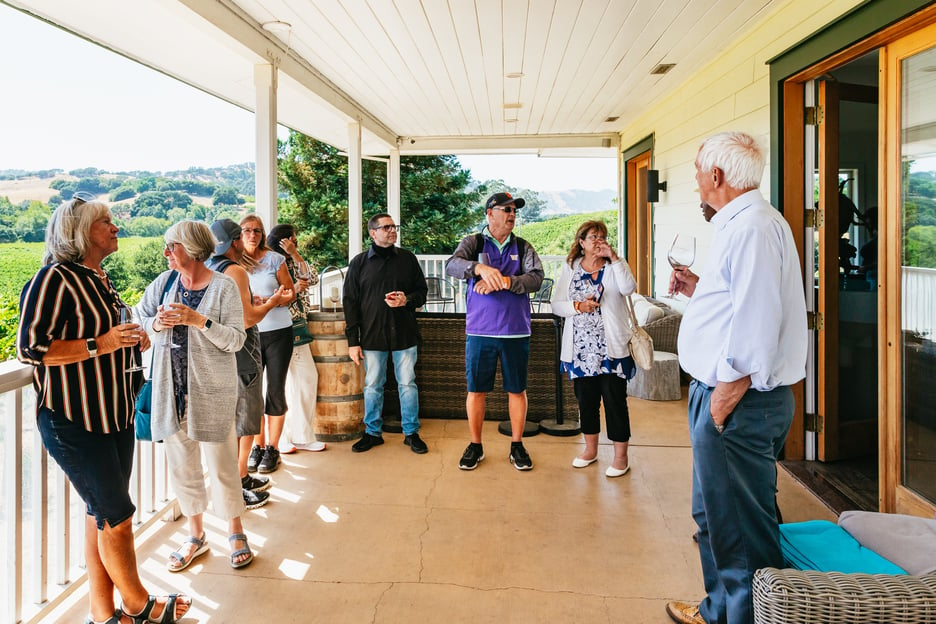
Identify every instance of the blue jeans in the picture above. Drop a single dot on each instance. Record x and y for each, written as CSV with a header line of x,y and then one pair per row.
x,y
375,376
734,482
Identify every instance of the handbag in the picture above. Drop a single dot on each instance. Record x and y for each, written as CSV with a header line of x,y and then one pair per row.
x,y
143,406
300,326
640,343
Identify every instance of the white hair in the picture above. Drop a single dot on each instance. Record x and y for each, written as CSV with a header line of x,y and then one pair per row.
x,y
67,233
194,236
737,155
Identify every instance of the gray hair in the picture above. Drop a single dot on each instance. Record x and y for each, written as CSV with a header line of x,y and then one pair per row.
x,y
737,155
67,237
194,236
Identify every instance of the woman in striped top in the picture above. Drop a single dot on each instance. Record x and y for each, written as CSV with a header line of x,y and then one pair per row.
x,y
70,332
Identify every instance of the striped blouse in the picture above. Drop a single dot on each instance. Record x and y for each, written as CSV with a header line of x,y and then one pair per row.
x,y
68,301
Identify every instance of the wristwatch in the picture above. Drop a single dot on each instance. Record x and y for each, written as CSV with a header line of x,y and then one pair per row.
x,y
207,324
91,343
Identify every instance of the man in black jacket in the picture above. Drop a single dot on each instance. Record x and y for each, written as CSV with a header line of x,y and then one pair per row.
x,y
384,287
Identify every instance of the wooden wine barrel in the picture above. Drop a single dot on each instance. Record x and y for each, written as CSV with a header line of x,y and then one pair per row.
x,y
339,410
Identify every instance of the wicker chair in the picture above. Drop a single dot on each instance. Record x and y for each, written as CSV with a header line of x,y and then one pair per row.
x,y
807,597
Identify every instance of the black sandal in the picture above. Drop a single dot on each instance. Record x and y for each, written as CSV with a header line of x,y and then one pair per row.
x,y
168,614
114,619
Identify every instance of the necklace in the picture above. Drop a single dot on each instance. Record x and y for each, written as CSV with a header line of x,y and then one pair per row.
x,y
101,274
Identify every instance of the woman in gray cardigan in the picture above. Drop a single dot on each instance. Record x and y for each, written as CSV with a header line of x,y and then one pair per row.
x,y
195,320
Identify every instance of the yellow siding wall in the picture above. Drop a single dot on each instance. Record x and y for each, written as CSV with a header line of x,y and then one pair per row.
x,y
730,93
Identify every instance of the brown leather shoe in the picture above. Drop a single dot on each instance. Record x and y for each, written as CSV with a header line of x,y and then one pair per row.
x,y
684,613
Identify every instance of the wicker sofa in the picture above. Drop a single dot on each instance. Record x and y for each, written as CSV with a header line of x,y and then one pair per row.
x,y
873,548
665,329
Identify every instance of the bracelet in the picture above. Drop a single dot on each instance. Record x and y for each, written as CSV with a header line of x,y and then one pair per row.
x,y
575,306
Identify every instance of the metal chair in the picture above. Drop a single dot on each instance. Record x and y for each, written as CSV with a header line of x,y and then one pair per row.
x,y
441,291
544,294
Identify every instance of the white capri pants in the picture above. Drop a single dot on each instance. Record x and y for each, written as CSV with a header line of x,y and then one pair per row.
x,y
183,456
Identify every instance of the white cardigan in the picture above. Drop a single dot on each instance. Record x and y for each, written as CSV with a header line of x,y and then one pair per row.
x,y
618,283
212,370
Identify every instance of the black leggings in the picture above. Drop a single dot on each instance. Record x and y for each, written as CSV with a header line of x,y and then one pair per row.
x,y
276,348
590,392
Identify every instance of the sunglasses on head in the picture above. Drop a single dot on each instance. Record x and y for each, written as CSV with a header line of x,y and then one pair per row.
x,y
81,197
506,209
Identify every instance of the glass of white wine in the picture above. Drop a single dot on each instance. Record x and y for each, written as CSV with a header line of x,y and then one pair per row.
x,y
334,298
681,254
126,316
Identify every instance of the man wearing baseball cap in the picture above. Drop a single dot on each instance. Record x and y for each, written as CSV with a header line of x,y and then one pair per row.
x,y
229,252
502,270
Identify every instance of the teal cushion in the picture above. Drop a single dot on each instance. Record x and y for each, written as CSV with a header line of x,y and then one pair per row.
x,y
826,547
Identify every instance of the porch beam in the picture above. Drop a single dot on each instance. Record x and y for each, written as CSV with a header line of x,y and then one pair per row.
x,y
237,24
507,144
265,130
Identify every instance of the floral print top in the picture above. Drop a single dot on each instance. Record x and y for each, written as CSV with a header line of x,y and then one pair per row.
x,y
590,351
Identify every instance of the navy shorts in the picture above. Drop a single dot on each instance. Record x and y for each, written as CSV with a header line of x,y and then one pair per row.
x,y
97,464
482,354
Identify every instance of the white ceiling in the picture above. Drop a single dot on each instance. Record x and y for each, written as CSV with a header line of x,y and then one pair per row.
x,y
433,76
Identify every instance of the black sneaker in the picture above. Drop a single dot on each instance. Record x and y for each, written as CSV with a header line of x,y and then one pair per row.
x,y
415,443
519,457
473,454
256,484
256,454
254,500
366,443
270,461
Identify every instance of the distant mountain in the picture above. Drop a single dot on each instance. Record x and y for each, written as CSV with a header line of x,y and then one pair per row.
x,y
577,201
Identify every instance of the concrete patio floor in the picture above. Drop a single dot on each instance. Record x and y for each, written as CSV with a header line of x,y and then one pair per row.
x,y
389,536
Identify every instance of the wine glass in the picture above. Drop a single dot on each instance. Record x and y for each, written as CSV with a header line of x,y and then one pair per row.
x,y
334,298
126,316
681,254
176,298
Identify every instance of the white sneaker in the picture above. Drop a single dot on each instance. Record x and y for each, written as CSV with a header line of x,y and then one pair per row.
x,y
312,446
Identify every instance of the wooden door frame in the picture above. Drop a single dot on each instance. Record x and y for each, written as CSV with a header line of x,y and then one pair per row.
x,y
637,215
897,497
875,25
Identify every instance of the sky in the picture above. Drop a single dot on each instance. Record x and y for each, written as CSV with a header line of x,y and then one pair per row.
x,y
68,103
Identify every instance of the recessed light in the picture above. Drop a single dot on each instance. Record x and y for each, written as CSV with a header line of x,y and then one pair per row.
x,y
611,119
662,68
514,75
513,105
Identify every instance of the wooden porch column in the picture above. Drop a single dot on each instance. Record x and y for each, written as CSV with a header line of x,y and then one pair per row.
x,y
393,190
355,197
265,128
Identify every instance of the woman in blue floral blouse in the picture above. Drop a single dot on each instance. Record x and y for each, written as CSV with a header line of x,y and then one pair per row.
x,y
591,295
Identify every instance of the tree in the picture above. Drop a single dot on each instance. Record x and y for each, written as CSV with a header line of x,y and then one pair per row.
x,y
532,210
30,225
437,207
225,196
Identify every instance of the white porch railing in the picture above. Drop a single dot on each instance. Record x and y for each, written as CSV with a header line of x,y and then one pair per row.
x,y
42,519
918,292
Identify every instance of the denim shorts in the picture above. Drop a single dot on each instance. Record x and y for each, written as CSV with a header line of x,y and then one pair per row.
x,y
97,464
481,356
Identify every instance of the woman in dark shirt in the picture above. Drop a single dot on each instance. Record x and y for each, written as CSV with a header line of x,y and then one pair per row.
x,y
70,332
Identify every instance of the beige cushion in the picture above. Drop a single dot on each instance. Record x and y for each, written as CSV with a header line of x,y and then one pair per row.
x,y
645,311
908,541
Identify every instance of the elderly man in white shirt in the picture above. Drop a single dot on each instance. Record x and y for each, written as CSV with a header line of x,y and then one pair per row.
x,y
743,339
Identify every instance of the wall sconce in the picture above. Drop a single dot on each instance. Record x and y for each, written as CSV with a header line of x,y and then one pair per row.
x,y
654,186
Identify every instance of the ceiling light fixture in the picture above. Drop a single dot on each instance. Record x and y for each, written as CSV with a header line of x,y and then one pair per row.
x,y
611,119
662,68
277,26
513,75
514,105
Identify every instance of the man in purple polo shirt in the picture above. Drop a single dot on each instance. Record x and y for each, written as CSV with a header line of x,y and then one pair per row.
x,y
502,270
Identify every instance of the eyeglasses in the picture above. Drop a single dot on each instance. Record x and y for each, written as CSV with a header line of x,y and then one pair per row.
x,y
81,197
252,231
170,247
506,209
388,228
593,238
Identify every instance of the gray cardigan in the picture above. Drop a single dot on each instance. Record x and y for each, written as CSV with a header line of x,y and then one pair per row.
x,y
212,369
